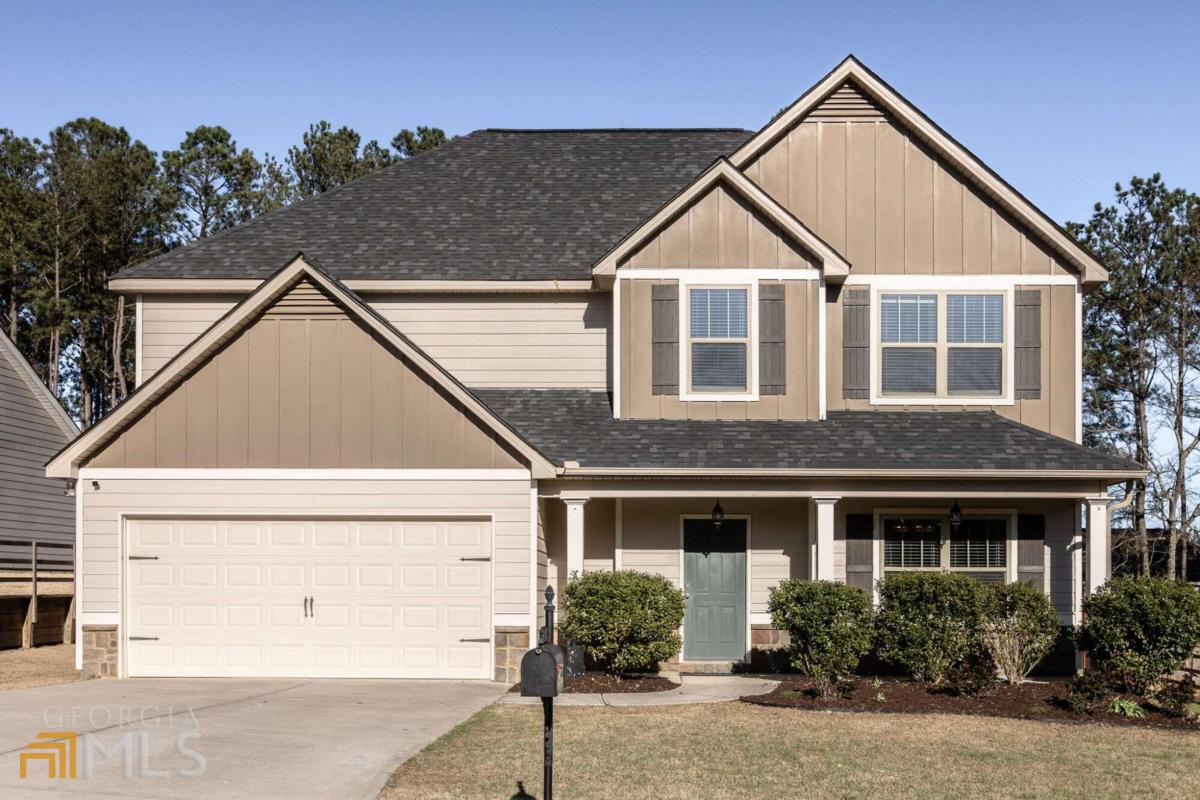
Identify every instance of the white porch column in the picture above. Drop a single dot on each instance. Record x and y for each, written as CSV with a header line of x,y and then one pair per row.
x,y
1099,556
824,538
575,537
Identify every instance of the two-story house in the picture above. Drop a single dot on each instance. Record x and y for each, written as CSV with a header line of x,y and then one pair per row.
x,y
371,427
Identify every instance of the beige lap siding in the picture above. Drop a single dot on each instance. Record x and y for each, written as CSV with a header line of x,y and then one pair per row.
x,y
518,340
506,500
778,539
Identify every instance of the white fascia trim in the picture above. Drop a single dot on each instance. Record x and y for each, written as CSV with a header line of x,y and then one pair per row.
x,y
616,359
1010,351
533,560
960,281
137,338
78,577
1079,364
99,618
510,620
701,275
977,474
822,400
698,278
98,473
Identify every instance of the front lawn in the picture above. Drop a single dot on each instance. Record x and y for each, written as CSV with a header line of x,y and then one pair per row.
x,y
725,750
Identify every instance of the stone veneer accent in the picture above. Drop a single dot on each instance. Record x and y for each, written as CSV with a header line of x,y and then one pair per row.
x,y
99,651
767,648
511,644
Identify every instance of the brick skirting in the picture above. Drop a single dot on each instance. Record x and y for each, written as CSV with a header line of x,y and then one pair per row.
x,y
99,651
511,644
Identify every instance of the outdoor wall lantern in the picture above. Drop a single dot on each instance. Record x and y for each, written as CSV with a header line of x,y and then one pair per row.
x,y
718,516
956,517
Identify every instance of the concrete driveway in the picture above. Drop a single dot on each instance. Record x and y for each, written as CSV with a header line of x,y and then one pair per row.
x,y
179,739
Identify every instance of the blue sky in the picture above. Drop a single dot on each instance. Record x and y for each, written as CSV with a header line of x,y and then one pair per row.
x,y
1063,99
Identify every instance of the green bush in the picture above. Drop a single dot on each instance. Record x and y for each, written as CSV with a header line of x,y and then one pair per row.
x,y
1141,629
625,621
928,622
1019,628
974,676
1089,691
830,625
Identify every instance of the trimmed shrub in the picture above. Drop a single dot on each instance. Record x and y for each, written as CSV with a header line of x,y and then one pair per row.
x,y
1089,691
830,625
928,622
625,621
1141,629
1019,628
974,676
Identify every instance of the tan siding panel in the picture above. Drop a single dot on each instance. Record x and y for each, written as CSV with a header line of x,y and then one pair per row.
x,y
233,403
860,198
948,222
918,210
263,382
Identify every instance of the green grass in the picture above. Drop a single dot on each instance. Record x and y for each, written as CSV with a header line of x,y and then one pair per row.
x,y
731,750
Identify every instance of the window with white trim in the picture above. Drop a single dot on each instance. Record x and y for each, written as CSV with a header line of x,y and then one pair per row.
x,y
942,345
719,339
977,546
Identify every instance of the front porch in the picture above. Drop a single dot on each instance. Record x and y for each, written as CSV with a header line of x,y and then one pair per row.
x,y
855,531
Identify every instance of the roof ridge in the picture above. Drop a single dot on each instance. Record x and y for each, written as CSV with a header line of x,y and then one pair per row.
x,y
618,130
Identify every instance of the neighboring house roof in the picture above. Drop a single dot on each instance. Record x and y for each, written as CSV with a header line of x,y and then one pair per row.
x,y
577,425
300,267
33,425
511,205
725,174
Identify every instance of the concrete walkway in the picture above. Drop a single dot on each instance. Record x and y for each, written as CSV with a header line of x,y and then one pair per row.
x,y
188,739
694,689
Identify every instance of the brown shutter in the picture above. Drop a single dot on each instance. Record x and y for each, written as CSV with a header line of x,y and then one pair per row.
x,y
1031,550
664,322
860,538
772,327
856,343
1027,339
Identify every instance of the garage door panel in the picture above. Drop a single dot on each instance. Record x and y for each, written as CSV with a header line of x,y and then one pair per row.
x,y
391,598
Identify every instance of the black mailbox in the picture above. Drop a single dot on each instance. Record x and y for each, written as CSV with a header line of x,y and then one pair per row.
x,y
542,671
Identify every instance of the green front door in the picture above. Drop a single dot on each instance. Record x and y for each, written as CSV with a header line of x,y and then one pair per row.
x,y
714,578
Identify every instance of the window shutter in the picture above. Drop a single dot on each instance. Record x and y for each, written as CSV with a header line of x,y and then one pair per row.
x,y
664,323
1027,339
772,329
860,538
1031,550
856,343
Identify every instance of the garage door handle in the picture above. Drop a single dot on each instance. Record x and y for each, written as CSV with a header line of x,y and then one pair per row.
x,y
485,639
306,601
476,558
143,558
143,638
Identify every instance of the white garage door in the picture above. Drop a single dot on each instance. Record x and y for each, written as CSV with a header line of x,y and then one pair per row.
x,y
309,598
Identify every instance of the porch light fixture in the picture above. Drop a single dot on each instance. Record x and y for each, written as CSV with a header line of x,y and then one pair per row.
x,y
718,516
956,516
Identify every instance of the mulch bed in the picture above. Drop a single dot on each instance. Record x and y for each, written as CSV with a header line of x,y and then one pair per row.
x,y
1041,701
602,682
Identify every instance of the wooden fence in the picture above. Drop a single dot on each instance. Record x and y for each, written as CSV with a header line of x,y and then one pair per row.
x,y
37,595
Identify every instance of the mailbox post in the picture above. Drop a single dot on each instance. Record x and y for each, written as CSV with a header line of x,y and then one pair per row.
x,y
542,676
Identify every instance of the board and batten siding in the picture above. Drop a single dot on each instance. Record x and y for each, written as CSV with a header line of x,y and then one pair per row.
x,y
32,506
496,340
881,198
505,500
720,230
305,386
800,400
1053,409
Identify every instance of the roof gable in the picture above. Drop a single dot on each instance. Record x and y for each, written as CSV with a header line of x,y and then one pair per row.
x,y
852,92
302,293
722,174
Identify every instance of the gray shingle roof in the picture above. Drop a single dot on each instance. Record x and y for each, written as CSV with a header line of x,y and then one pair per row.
x,y
568,424
492,205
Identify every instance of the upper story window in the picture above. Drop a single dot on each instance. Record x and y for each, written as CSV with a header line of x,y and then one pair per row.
x,y
719,339
942,345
